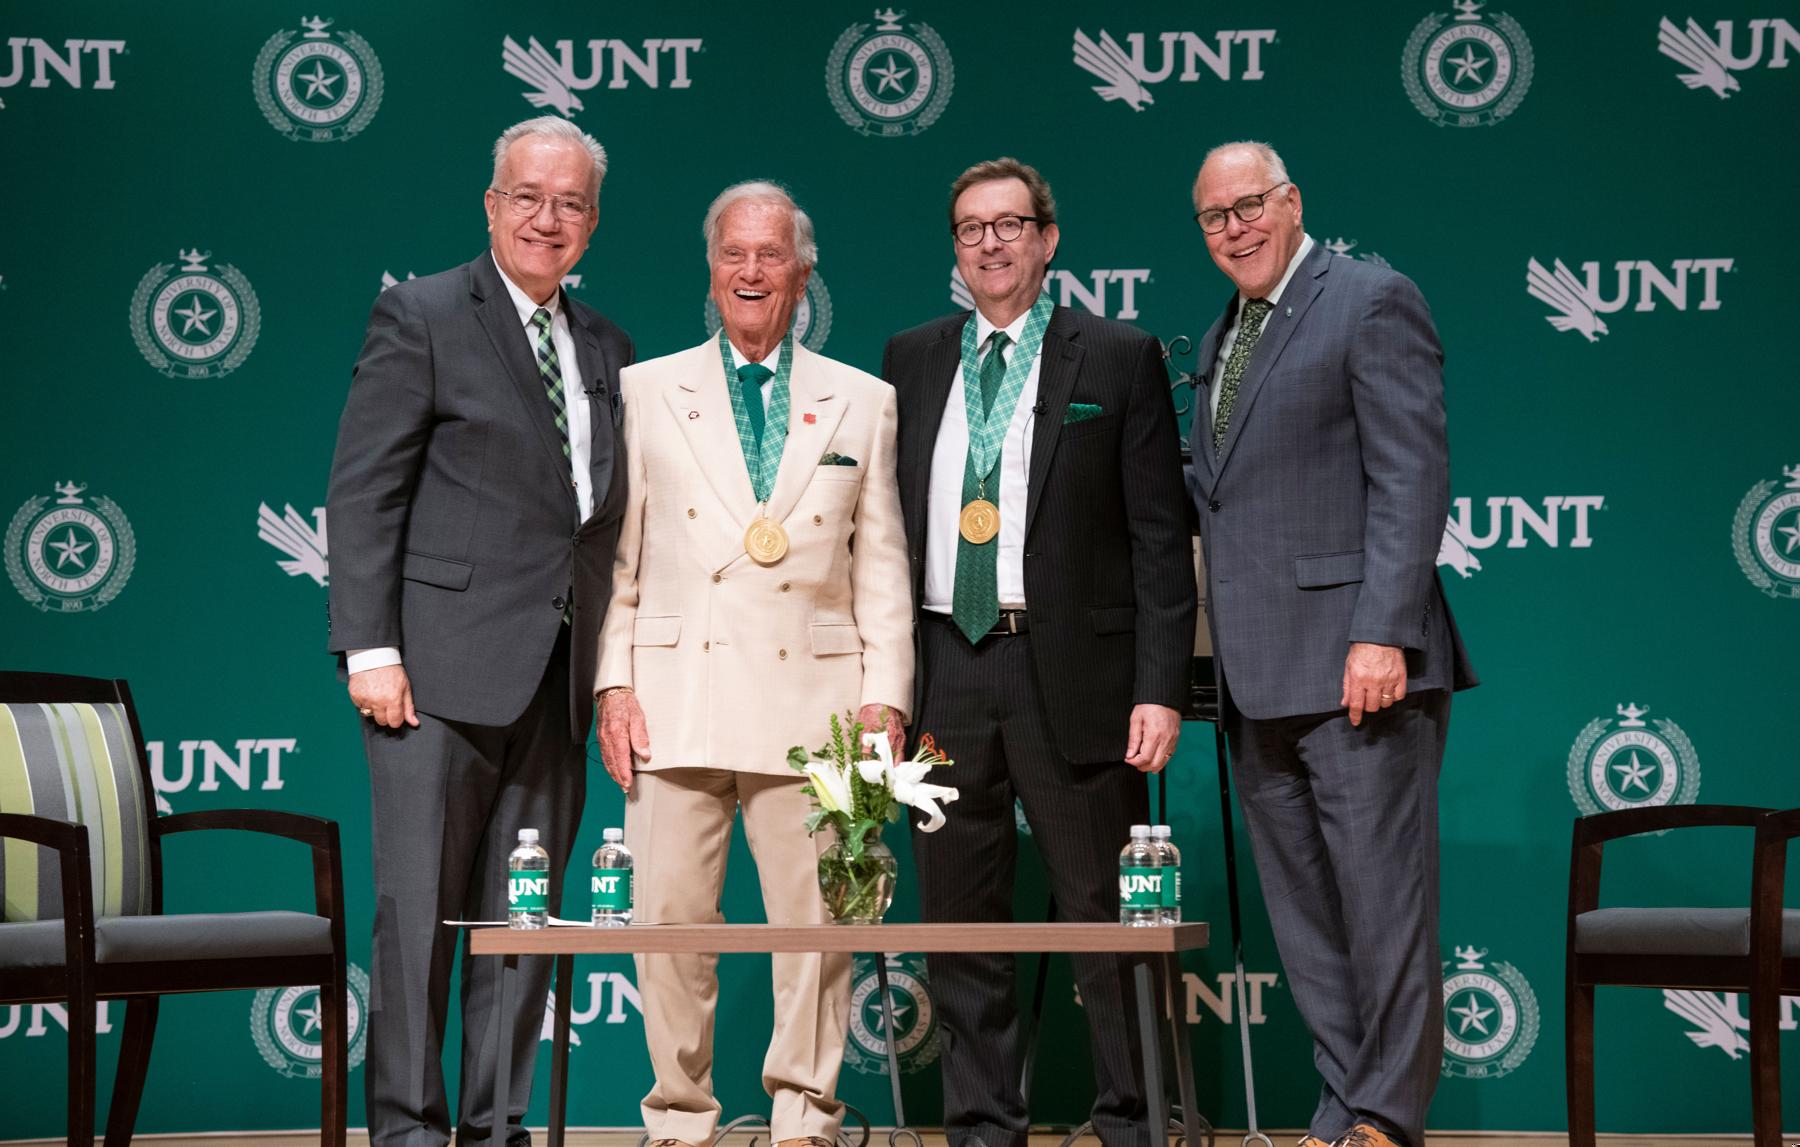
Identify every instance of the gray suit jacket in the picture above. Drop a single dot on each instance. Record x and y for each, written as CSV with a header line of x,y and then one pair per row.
x,y
1322,510
455,531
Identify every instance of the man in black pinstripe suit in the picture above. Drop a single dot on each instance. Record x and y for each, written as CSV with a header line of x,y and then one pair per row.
x,y
1054,642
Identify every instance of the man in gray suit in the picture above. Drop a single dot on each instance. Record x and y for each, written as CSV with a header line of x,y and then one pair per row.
x,y
1321,477
475,503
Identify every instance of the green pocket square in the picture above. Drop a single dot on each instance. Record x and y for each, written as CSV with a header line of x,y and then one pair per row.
x,y
1081,412
830,459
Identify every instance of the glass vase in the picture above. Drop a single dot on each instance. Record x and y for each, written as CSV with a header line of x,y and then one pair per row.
x,y
858,890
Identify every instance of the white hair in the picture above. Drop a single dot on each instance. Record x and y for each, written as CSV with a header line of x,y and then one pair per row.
x,y
1271,162
548,127
806,248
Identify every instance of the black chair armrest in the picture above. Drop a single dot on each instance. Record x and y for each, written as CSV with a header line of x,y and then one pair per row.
x,y
1592,832
316,832
70,841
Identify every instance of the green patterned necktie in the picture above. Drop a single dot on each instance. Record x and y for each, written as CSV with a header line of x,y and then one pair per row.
x,y
975,594
751,377
551,372
1250,326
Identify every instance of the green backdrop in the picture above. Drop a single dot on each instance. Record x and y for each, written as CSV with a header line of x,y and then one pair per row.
x,y
203,200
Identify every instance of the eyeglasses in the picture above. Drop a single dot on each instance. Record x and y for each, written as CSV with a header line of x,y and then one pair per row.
x,y
1006,228
1249,209
528,203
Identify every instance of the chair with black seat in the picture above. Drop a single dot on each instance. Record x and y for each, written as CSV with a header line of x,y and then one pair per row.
x,y
1753,949
74,780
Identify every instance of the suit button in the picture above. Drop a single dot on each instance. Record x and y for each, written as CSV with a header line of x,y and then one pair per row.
x,y
1213,505
717,579
706,647
817,521
781,653
691,513
785,587
557,603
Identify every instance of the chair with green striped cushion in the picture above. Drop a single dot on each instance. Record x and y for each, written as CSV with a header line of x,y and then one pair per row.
x,y
81,915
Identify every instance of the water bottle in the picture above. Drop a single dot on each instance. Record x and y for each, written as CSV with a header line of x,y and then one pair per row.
x,y
612,881
1171,876
1140,880
528,883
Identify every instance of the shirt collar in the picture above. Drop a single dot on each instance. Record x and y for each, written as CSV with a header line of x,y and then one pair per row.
x,y
1306,246
523,302
773,362
1015,330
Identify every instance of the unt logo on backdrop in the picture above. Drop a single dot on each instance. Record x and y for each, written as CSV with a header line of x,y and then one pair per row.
x,y
1344,247
1578,301
916,1024
553,77
304,543
1110,293
1466,67
889,79
317,86
195,321
1765,534
1717,1019
70,554
287,1026
250,764
1625,762
1491,1016
1125,72
1564,520
39,63
1708,60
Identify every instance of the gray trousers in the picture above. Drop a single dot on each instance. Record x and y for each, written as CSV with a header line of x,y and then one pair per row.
x,y
449,800
1344,823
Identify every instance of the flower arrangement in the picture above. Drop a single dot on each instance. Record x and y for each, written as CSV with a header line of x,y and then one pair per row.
x,y
856,795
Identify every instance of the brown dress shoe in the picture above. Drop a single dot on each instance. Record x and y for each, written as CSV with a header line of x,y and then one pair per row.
x,y
1364,1135
1311,1140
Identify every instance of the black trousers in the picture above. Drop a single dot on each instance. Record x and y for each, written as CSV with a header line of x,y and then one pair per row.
x,y
984,706
449,801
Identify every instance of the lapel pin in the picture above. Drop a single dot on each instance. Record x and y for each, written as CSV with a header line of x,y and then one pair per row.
x,y
1290,312
809,417
693,414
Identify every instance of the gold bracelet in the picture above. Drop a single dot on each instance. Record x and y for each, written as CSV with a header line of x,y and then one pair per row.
x,y
611,689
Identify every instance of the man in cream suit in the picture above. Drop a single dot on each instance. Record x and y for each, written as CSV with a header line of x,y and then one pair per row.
x,y
761,585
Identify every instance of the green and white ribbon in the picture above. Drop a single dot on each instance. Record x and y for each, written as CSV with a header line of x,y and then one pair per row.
x,y
763,463
987,428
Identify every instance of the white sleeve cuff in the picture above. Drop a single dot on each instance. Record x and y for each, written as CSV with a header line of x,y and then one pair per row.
x,y
357,660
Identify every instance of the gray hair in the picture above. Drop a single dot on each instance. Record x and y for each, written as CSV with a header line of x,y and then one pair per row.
x,y
549,127
806,248
1271,162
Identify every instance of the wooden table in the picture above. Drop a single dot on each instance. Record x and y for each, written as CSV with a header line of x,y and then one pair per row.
x,y
1157,978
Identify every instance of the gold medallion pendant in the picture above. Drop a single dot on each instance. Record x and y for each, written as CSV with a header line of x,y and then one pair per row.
x,y
765,541
980,521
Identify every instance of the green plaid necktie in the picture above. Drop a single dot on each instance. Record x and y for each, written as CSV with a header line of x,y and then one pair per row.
x,y
751,377
975,595
551,371
1250,326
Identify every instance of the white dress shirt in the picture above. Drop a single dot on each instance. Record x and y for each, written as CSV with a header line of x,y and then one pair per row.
x,y
575,400
950,459
1229,339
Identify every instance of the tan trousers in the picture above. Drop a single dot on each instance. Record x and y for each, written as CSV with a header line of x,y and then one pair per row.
x,y
678,827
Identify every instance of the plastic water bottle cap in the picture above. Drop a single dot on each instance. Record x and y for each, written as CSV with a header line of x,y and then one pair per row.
x,y
528,836
1160,832
613,835
1140,830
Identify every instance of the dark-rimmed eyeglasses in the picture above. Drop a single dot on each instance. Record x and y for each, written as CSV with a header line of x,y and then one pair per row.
x,y
970,232
528,203
1249,209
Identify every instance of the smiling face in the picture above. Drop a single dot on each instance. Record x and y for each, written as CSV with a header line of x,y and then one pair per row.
x,y
536,251
757,276
1004,278
1252,255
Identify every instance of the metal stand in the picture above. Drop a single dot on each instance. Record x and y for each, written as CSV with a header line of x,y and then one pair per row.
x,y
892,1037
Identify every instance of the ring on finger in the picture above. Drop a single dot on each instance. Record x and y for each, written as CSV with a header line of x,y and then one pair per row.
x,y
368,712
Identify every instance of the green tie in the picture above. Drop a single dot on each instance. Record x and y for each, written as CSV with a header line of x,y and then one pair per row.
x,y
1250,326
550,370
975,597
751,377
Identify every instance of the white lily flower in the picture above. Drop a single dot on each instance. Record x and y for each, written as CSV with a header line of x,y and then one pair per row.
x,y
832,786
872,771
907,779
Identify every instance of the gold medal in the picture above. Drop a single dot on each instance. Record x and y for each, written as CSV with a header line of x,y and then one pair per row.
x,y
765,541
980,521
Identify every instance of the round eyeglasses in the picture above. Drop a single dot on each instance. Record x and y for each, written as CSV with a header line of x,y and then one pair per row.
x,y
1006,228
1249,209
528,203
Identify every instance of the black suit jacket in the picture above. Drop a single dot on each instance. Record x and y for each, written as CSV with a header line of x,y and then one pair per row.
x,y
1109,573
454,528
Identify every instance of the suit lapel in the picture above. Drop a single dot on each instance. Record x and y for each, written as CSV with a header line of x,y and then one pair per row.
x,y
931,392
702,408
1200,443
593,371
809,393
1059,361
500,319
1278,328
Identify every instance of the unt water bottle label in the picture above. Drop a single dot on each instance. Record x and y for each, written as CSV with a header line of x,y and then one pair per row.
x,y
1171,888
528,892
612,890
1140,888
